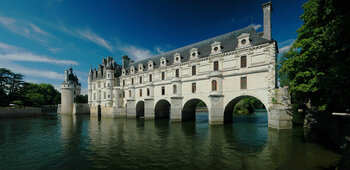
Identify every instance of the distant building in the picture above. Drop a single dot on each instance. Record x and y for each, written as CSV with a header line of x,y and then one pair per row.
x,y
218,71
69,89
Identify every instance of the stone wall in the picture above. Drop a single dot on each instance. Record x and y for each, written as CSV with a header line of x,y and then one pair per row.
x,y
81,109
20,112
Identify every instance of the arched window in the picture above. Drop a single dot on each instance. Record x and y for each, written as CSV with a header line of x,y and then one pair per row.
x,y
214,85
163,75
132,81
150,77
174,89
216,66
177,73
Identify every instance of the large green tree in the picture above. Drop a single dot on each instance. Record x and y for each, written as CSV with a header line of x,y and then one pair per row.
x,y
317,67
11,85
40,94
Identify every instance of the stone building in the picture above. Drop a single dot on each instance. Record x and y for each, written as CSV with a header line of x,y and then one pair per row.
x,y
219,71
69,89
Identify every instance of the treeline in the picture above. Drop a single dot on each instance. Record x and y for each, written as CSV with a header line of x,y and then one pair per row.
x,y
13,90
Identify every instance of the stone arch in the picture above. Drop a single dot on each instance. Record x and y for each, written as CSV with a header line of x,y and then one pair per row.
x,y
162,109
189,109
140,109
228,112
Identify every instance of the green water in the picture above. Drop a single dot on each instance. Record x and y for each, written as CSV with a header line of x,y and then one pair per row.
x,y
67,142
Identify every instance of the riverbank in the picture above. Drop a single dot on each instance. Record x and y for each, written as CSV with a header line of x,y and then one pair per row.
x,y
11,112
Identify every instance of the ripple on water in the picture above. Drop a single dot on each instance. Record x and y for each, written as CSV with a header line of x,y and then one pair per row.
x,y
83,143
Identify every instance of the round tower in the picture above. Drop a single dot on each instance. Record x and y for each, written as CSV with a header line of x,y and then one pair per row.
x,y
69,89
109,83
90,86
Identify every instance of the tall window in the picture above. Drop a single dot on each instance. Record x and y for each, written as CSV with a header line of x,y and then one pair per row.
x,y
216,66
150,77
140,79
147,91
193,87
163,90
94,96
104,95
214,85
123,94
163,75
243,82
174,89
140,92
177,74
123,82
243,61
129,93
132,81
193,70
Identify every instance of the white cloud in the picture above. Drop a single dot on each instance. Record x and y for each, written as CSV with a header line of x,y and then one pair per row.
x,y
286,45
29,71
88,34
285,48
26,29
136,53
256,26
14,53
160,51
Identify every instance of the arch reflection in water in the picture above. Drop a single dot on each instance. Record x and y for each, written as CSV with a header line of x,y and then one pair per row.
x,y
160,144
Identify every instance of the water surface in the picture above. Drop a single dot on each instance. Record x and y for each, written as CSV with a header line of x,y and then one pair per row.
x,y
71,142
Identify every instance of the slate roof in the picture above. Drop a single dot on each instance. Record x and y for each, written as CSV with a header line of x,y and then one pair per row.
x,y
228,42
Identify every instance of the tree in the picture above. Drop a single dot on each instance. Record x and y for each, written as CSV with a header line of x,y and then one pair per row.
x,y
81,99
317,66
40,94
10,86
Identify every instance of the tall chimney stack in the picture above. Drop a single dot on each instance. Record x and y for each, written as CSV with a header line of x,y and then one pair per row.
x,y
267,9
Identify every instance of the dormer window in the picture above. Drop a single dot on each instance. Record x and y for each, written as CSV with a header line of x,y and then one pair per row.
x,y
216,48
140,67
123,72
177,58
132,69
163,62
194,53
243,40
150,65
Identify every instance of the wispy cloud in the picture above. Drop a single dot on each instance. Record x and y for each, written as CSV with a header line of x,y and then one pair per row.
x,y
159,50
286,45
14,53
23,28
30,71
89,35
256,26
136,53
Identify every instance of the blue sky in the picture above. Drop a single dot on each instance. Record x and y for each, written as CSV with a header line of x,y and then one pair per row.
x,y
40,39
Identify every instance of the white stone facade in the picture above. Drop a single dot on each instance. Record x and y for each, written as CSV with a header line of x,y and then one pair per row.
x,y
218,71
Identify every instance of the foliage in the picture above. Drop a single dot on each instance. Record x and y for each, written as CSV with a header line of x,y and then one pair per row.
x,y
10,86
244,106
317,67
81,99
40,94
14,90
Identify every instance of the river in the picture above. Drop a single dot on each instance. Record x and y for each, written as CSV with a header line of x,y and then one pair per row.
x,y
81,142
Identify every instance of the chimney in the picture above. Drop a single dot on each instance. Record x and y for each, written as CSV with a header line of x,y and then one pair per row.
x,y
65,75
125,61
267,9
